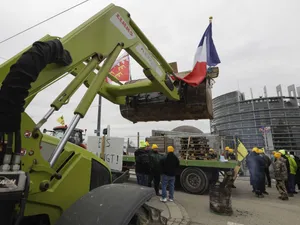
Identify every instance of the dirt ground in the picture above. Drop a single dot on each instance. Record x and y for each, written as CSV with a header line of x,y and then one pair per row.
x,y
248,210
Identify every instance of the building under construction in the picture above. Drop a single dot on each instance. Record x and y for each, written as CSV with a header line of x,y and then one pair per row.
x,y
270,122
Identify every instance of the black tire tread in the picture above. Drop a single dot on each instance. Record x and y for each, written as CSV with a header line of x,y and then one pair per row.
x,y
204,180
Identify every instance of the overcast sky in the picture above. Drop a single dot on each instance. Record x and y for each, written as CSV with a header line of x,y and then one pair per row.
x,y
257,41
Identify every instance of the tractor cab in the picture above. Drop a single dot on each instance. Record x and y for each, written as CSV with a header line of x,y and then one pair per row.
x,y
77,136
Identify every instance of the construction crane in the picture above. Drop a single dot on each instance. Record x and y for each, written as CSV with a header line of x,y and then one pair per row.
x,y
46,180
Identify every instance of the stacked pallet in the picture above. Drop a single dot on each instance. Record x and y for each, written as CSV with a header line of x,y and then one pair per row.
x,y
186,147
194,148
162,142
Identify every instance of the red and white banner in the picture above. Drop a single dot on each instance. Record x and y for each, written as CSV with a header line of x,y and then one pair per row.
x,y
120,69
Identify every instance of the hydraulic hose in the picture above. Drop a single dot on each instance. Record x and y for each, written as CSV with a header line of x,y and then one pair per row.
x,y
16,85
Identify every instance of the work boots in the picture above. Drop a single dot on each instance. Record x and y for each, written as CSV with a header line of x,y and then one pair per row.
x,y
258,194
284,198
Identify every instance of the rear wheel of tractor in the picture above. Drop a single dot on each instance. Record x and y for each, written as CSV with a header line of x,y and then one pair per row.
x,y
147,216
116,204
194,180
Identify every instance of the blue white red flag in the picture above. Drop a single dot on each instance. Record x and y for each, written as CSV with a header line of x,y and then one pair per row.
x,y
206,56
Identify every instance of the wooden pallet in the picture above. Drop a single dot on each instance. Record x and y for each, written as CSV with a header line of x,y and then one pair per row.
x,y
194,148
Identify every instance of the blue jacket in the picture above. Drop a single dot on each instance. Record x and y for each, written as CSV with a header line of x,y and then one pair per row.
x,y
250,162
256,166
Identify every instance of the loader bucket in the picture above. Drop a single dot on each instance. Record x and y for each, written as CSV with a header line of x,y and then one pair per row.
x,y
195,103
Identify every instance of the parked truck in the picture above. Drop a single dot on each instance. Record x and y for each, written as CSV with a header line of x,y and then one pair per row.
x,y
196,170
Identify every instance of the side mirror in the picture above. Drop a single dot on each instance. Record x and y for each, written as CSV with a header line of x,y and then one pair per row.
x,y
44,131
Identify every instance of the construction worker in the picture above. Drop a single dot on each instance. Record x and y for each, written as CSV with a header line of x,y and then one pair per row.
x,y
297,159
142,164
268,163
256,165
226,152
169,165
280,172
155,169
288,167
150,151
147,145
231,154
292,175
259,174
262,180
212,154
250,165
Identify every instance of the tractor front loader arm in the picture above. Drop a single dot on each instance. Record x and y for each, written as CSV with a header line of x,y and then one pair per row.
x,y
100,40
102,37
92,47
54,173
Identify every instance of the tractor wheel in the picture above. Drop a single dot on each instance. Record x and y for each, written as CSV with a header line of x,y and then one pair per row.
x,y
143,216
194,180
117,204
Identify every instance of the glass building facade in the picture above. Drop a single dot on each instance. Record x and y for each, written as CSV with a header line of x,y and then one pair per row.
x,y
245,119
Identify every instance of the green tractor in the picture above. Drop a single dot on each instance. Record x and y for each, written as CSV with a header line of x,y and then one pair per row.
x,y
45,180
77,136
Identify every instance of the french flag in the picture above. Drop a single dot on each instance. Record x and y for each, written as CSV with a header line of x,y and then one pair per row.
x,y
206,56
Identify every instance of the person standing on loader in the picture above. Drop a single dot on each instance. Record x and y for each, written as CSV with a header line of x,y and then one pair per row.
x,y
155,169
280,172
169,165
142,164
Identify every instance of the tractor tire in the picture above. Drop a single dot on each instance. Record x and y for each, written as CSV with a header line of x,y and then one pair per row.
x,y
193,180
118,204
143,216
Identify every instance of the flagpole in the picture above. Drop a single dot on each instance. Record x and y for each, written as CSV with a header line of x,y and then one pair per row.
x,y
210,19
98,131
130,78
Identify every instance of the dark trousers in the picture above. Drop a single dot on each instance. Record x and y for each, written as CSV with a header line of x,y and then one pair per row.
x,y
286,183
155,177
259,183
267,173
297,179
142,179
291,183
